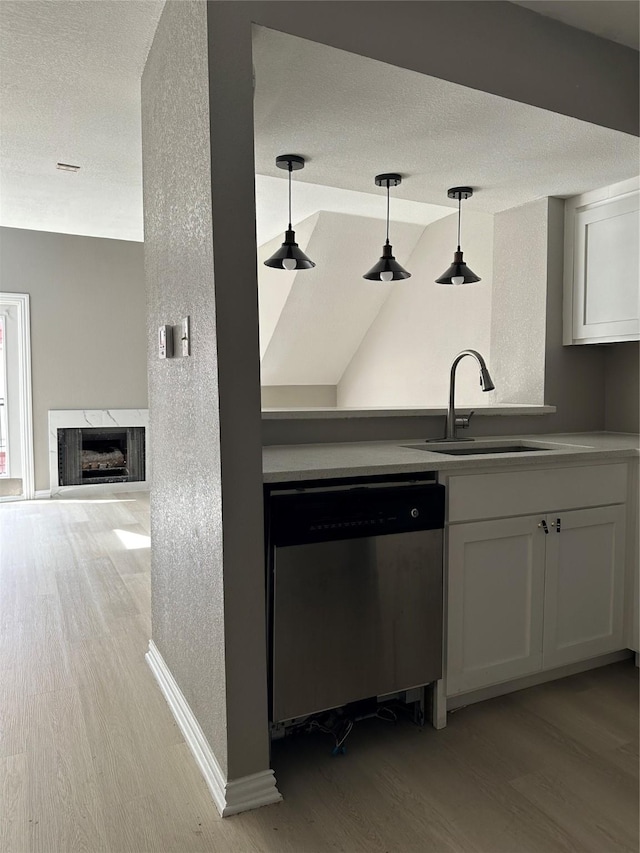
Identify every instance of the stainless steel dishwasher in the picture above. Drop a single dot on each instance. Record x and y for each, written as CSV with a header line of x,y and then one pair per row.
x,y
355,593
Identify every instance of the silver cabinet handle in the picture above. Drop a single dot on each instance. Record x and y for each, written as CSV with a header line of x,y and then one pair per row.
x,y
543,525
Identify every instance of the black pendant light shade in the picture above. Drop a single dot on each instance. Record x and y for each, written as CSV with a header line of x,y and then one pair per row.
x,y
458,272
290,256
387,268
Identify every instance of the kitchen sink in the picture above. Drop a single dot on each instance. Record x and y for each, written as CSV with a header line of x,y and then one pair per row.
x,y
473,451
473,448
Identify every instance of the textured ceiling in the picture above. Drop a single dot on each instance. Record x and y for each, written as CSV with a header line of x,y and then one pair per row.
x,y
616,20
70,74
354,117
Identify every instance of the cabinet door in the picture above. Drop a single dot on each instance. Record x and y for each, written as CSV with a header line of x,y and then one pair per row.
x,y
495,601
606,290
584,586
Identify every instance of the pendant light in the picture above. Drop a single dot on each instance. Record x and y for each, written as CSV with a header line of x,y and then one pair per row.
x,y
387,268
290,256
458,272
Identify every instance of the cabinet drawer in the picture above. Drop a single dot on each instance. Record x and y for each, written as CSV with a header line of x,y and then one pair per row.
x,y
473,497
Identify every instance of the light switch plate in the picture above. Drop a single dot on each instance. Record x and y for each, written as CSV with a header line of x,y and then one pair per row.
x,y
165,341
185,336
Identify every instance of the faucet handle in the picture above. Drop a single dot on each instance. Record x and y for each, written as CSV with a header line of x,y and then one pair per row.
x,y
464,420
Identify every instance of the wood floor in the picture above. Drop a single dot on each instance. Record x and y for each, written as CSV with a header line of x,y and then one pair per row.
x,y
92,760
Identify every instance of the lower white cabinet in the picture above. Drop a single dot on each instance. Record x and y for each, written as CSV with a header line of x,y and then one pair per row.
x,y
495,602
531,593
584,585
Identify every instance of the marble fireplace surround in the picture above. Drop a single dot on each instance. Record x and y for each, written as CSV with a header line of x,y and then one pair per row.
x,y
102,418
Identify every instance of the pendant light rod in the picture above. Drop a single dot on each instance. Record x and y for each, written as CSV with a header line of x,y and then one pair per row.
x,y
459,211
387,215
292,163
460,193
290,170
388,180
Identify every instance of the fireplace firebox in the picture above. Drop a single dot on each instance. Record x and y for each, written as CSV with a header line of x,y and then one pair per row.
x,y
97,455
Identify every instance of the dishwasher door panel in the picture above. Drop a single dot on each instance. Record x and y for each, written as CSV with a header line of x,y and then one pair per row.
x,y
354,619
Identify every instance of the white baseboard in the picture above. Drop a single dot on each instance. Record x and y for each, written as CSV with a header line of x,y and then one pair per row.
x,y
40,494
230,797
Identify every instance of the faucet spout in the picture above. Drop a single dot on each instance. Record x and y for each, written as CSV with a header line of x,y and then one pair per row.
x,y
485,381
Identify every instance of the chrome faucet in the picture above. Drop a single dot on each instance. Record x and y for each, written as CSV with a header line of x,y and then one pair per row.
x,y
454,421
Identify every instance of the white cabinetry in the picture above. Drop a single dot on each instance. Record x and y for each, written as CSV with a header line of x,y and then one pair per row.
x,y
584,585
496,595
538,591
601,269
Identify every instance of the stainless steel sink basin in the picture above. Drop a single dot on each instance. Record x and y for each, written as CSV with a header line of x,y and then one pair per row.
x,y
474,451
485,448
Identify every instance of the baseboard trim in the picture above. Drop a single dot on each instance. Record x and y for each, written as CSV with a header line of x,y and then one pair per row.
x,y
230,797
458,700
40,494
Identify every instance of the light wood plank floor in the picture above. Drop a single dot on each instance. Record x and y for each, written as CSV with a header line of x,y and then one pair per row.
x,y
92,760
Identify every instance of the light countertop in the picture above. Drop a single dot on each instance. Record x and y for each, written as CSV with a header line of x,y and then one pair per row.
x,y
334,413
287,463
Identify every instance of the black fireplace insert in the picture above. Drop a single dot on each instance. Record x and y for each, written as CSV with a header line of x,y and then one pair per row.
x,y
97,455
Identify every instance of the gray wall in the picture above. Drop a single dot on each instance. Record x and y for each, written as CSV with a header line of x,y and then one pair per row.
x,y
622,387
88,326
499,48
293,396
534,60
207,573
211,403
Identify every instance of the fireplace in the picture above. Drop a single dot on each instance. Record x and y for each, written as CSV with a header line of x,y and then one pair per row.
x,y
98,450
89,455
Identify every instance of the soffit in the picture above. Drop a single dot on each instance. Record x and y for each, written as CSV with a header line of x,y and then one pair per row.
x,y
353,117
616,20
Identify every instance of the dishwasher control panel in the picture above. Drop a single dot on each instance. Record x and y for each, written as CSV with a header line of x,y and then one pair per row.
x,y
321,516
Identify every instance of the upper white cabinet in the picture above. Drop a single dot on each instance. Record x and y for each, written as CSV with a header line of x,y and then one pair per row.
x,y
601,270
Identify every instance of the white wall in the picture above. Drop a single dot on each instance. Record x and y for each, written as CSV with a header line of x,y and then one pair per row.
x,y
274,285
329,308
405,357
88,325
518,321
